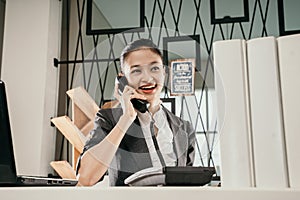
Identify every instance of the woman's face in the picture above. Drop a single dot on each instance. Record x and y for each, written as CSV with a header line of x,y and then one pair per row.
x,y
145,73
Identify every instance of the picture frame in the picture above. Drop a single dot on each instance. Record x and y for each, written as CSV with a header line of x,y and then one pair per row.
x,y
284,22
182,77
232,15
185,46
169,103
112,24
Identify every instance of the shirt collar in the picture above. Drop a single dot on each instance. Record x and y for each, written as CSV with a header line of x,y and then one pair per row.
x,y
159,118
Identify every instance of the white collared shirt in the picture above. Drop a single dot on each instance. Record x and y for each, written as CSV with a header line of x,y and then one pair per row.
x,y
164,137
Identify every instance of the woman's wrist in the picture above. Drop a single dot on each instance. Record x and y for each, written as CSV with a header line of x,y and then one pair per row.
x,y
124,123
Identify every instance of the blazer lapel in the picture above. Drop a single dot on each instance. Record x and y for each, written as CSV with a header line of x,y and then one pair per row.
x,y
180,138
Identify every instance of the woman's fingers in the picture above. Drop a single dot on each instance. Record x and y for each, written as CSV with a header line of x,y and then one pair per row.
x,y
133,93
125,97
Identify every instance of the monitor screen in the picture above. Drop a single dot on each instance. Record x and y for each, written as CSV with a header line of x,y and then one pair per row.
x,y
7,163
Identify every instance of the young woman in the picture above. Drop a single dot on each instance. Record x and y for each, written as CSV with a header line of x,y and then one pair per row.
x,y
125,140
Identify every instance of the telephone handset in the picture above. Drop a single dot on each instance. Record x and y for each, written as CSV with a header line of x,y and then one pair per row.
x,y
139,104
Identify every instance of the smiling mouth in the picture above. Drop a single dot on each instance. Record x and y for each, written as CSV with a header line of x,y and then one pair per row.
x,y
148,88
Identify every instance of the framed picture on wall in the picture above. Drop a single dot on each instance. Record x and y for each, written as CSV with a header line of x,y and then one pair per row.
x,y
229,11
180,47
169,103
182,75
126,16
288,17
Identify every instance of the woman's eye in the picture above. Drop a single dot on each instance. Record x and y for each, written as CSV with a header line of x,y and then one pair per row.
x,y
135,71
155,68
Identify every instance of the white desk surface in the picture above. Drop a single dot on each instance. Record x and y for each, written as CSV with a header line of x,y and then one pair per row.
x,y
145,193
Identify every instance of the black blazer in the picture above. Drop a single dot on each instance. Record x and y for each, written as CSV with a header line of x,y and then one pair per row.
x,y
133,154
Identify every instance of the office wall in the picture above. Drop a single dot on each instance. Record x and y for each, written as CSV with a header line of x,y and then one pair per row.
x,y
31,41
2,14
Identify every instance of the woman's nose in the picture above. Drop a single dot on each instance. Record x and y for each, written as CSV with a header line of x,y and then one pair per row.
x,y
147,77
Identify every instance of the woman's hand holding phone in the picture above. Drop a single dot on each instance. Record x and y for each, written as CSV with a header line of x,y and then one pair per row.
x,y
125,94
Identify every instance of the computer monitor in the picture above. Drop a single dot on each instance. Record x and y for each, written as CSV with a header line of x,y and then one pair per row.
x,y
7,162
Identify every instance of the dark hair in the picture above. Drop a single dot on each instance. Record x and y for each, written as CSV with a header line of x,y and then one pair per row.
x,y
137,45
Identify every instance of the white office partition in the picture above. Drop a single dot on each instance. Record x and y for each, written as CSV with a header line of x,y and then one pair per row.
x,y
266,114
233,113
30,42
289,60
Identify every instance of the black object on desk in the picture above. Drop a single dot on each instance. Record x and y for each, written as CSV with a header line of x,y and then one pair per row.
x,y
188,175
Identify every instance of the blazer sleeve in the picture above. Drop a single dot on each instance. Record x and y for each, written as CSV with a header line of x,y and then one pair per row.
x,y
103,124
191,143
